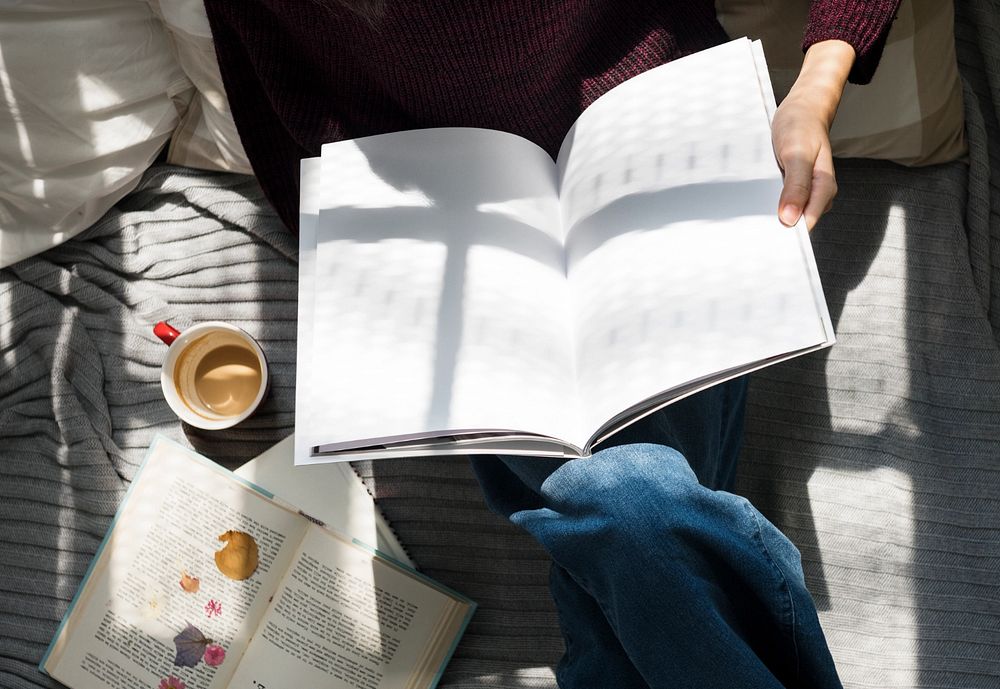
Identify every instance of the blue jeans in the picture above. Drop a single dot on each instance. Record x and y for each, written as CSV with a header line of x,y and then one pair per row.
x,y
660,576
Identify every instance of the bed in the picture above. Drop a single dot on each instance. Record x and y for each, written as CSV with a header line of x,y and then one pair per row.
x,y
880,458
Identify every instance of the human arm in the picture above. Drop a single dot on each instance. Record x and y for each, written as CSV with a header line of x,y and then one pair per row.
x,y
800,132
843,41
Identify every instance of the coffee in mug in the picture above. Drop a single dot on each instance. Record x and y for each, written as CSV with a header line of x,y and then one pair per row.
x,y
215,374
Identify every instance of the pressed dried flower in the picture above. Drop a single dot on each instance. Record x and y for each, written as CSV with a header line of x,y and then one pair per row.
x,y
189,583
238,560
172,682
154,605
191,645
214,655
213,608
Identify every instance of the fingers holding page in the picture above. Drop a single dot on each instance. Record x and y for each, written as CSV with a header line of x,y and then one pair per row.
x,y
800,132
810,184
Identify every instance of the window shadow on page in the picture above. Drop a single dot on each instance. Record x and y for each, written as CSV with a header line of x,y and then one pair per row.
x,y
658,209
420,225
419,291
680,284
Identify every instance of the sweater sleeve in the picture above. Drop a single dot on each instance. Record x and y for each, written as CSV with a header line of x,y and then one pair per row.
x,y
862,23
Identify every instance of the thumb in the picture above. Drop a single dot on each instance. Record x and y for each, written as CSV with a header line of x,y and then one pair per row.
x,y
798,185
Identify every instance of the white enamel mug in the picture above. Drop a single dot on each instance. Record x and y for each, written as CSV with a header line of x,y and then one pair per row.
x,y
214,375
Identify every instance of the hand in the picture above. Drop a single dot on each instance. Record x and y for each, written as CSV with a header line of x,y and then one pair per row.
x,y
802,146
800,133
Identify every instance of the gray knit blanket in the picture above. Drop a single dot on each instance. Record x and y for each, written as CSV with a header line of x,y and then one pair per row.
x,y
880,458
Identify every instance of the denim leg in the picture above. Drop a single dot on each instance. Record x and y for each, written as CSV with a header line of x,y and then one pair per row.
x,y
659,580
707,428
594,658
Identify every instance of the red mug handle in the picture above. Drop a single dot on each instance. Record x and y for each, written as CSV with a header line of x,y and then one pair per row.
x,y
166,332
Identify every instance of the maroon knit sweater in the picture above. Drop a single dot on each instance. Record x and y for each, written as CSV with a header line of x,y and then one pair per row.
x,y
300,73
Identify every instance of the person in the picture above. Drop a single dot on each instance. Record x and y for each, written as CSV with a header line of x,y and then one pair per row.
x,y
661,575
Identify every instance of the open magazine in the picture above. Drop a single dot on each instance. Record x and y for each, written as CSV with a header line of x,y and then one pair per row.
x,y
461,292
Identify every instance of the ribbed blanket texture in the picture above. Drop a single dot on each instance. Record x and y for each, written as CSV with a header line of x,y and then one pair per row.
x,y
878,458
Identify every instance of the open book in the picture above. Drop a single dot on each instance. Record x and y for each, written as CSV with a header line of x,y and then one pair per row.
x,y
329,492
207,581
460,292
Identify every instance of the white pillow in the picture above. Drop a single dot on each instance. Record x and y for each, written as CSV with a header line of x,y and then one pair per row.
x,y
89,94
206,137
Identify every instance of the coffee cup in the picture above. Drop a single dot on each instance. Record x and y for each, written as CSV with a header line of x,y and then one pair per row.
x,y
214,375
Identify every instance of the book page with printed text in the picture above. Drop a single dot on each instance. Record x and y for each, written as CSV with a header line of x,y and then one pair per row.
x,y
132,606
344,619
678,265
440,290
